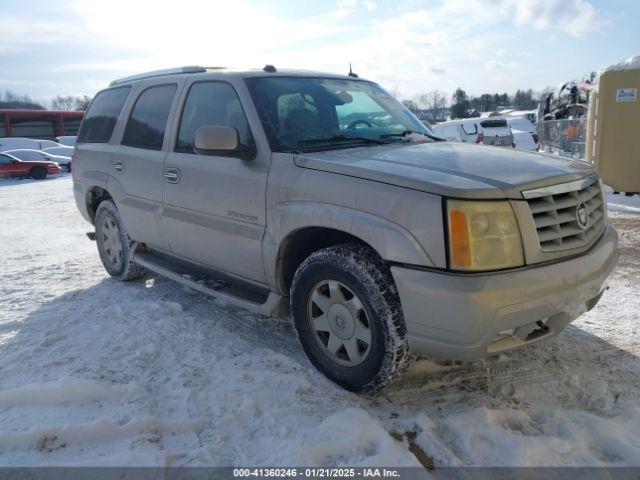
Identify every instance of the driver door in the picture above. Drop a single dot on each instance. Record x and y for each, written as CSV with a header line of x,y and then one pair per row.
x,y
214,206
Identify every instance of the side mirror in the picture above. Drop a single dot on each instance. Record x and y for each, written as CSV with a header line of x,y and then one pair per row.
x,y
215,139
221,140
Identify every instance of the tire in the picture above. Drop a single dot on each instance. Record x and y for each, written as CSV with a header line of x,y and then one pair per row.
x,y
38,173
114,244
347,289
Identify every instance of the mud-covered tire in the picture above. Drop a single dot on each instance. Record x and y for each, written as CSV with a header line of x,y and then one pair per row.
x,y
38,173
361,274
114,244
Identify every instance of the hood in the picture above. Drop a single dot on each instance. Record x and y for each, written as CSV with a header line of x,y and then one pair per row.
x,y
451,169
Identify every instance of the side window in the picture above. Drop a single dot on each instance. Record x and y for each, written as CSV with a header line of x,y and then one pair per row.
x,y
148,120
4,159
99,121
211,103
470,129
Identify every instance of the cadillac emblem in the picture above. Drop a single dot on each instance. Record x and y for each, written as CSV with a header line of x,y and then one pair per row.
x,y
582,216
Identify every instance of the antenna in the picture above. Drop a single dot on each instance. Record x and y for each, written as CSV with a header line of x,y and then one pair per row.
x,y
351,74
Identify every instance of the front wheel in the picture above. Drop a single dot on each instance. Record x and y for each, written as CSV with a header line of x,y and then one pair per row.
x,y
348,318
38,173
114,244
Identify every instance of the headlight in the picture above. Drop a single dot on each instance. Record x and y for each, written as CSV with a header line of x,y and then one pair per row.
x,y
483,235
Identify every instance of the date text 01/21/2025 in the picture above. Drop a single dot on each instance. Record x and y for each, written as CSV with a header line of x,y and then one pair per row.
x,y
317,472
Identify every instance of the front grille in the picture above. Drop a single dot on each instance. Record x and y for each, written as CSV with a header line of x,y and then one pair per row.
x,y
555,213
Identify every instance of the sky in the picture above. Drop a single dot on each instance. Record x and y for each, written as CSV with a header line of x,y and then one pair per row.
x,y
76,47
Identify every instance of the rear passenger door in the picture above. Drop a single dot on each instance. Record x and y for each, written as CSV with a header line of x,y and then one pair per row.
x,y
214,206
137,162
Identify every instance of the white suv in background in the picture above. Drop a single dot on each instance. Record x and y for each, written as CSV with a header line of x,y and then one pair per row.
x,y
524,131
485,130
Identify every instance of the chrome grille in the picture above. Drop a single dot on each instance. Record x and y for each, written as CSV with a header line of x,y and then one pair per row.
x,y
555,213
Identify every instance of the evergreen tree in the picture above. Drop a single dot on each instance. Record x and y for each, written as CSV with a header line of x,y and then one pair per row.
x,y
459,104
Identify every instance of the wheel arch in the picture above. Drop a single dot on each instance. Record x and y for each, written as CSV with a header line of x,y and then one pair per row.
x,y
308,227
299,244
94,196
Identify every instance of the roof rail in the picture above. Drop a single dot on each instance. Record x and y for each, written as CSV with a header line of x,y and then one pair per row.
x,y
159,73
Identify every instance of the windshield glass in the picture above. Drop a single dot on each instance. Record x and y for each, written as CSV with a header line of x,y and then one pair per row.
x,y
300,113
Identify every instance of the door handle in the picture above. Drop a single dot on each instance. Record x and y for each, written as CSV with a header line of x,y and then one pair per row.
x,y
172,175
118,167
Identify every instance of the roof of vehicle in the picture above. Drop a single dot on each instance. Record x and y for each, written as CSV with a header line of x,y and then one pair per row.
x,y
60,147
522,121
267,71
521,113
465,121
47,154
25,150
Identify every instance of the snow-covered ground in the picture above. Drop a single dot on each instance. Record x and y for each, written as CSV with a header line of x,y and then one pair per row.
x,y
96,372
619,202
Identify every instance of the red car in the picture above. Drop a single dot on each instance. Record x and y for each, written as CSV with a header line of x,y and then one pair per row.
x,y
12,167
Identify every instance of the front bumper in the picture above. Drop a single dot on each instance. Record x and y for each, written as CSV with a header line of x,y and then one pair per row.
x,y
466,317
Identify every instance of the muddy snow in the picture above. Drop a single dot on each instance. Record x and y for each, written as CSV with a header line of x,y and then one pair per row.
x,y
96,372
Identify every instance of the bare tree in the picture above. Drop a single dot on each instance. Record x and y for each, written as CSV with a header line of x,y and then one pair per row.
x,y
12,100
63,103
435,101
82,103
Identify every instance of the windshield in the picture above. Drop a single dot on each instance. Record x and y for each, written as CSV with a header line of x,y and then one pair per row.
x,y
302,114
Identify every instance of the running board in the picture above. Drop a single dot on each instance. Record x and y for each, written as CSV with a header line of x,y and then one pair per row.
x,y
221,287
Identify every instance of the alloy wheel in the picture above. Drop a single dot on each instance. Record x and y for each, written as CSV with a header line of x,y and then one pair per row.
x,y
111,242
339,323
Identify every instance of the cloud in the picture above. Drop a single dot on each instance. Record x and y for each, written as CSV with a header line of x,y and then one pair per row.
x,y
347,3
18,34
370,5
213,32
576,17
409,46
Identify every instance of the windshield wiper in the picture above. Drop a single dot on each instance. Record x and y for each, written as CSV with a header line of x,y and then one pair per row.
x,y
342,138
405,133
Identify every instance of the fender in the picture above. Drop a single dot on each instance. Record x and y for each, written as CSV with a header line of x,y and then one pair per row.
x,y
392,242
83,184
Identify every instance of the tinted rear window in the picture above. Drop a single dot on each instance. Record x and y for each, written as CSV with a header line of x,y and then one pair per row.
x,y
100,120
493,123
148,120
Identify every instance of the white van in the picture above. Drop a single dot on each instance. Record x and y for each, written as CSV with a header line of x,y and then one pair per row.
x,y
12,143
67,140
490,131
524,132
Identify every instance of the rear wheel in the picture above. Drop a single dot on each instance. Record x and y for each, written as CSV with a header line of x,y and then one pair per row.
x,y
114,244
347,314
38,173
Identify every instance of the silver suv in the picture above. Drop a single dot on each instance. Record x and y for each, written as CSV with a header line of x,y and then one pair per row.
x,y
278,190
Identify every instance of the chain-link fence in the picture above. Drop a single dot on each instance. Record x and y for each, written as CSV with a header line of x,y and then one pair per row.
x,y
563,137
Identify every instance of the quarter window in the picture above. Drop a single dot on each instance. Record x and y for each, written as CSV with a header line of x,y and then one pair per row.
x,y
470,129
99,121
211,103
148,120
